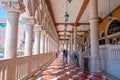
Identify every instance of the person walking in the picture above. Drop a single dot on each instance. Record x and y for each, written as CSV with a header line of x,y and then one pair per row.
x,y
65,55
56,53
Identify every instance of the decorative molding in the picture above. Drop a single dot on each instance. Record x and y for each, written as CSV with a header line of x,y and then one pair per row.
x,y
37,27
29,20
70,31
13,5
72,24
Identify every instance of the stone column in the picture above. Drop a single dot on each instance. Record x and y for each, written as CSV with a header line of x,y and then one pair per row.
x,y
29,35
69,44
48,44
71,41
51,45
75,38
42,42
37,29
95,58
45,43
13,9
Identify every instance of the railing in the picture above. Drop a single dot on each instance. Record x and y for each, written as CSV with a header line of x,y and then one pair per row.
x,y
110,59
22,67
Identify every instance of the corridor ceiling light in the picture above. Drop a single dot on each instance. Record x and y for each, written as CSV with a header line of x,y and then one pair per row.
x,y
66,16
69,1
65,26
110,14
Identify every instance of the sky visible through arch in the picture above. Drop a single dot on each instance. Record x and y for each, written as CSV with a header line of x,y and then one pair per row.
x,y
3,13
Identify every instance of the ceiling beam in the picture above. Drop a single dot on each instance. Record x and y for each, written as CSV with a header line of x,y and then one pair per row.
x,y
63,35
71,31
63,39
51,12
64,24
81,11
72,24
63,31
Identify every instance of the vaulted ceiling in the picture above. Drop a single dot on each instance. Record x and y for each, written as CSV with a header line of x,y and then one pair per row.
x,y
78,14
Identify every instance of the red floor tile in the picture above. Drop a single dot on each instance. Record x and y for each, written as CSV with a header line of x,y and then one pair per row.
x,y
67,72
79,78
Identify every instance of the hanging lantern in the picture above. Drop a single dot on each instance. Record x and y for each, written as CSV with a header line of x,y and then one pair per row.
x,y
110,16
65,34
66,16
69,1
65,26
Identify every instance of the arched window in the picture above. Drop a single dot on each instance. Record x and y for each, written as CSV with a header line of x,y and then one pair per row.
x,y
114,27
113,32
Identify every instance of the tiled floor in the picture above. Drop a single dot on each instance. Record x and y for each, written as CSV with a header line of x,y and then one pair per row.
x,y
56,71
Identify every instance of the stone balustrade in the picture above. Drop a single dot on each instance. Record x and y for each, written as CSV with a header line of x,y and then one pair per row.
x,y
110,59
23,67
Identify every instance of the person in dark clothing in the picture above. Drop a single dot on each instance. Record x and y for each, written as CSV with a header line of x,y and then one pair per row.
x,y
65,55
56,53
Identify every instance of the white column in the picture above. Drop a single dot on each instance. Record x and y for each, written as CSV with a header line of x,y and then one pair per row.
x,y
48,45
29,35
37,29
11,35
44,43
13,10
41,42
95,58
75,38
71,42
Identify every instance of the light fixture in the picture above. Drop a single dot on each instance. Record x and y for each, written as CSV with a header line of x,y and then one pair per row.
x,y
66,19
66,16
69,1
110,14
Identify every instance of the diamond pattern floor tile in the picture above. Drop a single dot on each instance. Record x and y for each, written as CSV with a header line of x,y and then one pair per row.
x,y
58,71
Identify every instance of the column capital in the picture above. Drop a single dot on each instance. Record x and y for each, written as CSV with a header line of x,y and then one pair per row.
x,y
29,20
37,27
43,32
47,35
16,6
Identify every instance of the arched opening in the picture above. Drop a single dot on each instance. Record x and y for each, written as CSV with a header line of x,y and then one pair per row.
x,y
3,24
21,36
113,32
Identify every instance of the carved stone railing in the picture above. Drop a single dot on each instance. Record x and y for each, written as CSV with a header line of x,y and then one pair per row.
x,y
110,59
21,68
